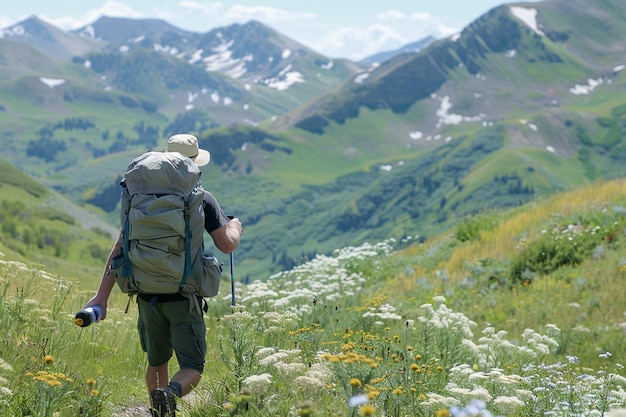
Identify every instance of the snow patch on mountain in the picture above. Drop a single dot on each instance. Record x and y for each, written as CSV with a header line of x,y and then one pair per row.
x,y
528,16
52,82
417,135
172,50
361,77
579,89
222,60
88,31
364,75
447,118
530,125
15,31
285,79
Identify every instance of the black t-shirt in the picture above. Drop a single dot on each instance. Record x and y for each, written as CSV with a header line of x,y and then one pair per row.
x,y
214,217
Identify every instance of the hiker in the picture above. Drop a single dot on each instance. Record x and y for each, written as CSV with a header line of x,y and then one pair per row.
x,y
168,322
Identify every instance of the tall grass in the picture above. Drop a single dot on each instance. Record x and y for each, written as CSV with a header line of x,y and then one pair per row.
x,y
371,330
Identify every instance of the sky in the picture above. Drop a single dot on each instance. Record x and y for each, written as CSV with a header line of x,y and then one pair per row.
x,y
335,28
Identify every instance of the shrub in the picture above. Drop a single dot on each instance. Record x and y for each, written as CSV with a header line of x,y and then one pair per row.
x,y
567,242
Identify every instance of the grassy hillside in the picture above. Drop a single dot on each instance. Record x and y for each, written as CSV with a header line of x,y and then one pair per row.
x,y
417,328
40,227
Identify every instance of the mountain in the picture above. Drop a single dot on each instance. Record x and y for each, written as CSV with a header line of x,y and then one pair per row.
x,y
527,100
511,47
49,39
124,83
408,48
242,72
520,104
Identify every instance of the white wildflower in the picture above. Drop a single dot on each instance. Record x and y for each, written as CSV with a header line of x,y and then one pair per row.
x,y
307,382
508,405
258,384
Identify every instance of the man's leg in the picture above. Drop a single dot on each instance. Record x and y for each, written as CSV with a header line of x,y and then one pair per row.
x,y
162,401
157,376
187,378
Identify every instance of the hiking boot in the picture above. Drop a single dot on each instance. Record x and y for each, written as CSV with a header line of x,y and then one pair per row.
x,y
163,403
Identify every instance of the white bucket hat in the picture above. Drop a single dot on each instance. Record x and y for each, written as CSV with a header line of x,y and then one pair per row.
x,y
187,145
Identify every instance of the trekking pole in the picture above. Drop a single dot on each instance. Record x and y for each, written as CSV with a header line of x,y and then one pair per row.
x,y
232,276
232,281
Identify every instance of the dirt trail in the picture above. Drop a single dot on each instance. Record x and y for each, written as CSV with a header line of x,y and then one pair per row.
x,y
132,411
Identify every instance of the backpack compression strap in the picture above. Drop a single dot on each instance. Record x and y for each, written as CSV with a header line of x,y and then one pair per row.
x,y
127,271
187,271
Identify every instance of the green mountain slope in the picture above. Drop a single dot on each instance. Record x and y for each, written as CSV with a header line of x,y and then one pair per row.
x,y
41,227
525,102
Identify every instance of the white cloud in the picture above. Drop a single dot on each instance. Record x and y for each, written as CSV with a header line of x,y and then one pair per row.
x,y
110,8
365,41
423,17
211,9
265,13
392,15
393,29
4,22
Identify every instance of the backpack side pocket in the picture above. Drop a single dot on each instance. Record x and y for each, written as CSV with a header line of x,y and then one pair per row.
x,y
212,275
117,266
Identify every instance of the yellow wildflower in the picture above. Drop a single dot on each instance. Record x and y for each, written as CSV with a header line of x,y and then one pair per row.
x,y
368,410
355,382
48,359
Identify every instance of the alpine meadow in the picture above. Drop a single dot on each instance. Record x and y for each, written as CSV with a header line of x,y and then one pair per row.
x,y
434,231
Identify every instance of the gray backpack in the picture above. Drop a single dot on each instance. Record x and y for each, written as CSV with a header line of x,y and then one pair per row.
x,y
162,217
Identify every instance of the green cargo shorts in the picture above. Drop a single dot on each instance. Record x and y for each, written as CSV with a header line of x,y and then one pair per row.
x,y
168,326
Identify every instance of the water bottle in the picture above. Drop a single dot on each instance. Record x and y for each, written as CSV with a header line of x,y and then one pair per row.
x,y
88,315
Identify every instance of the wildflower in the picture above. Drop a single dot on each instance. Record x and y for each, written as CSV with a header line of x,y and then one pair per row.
x,y
306,409
355,382
91,382
307,382
439,299
372,394
48,359
418,357
258,383
414,367
398,391
358,400
94,392
443,413
508,405
5,366
367,410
